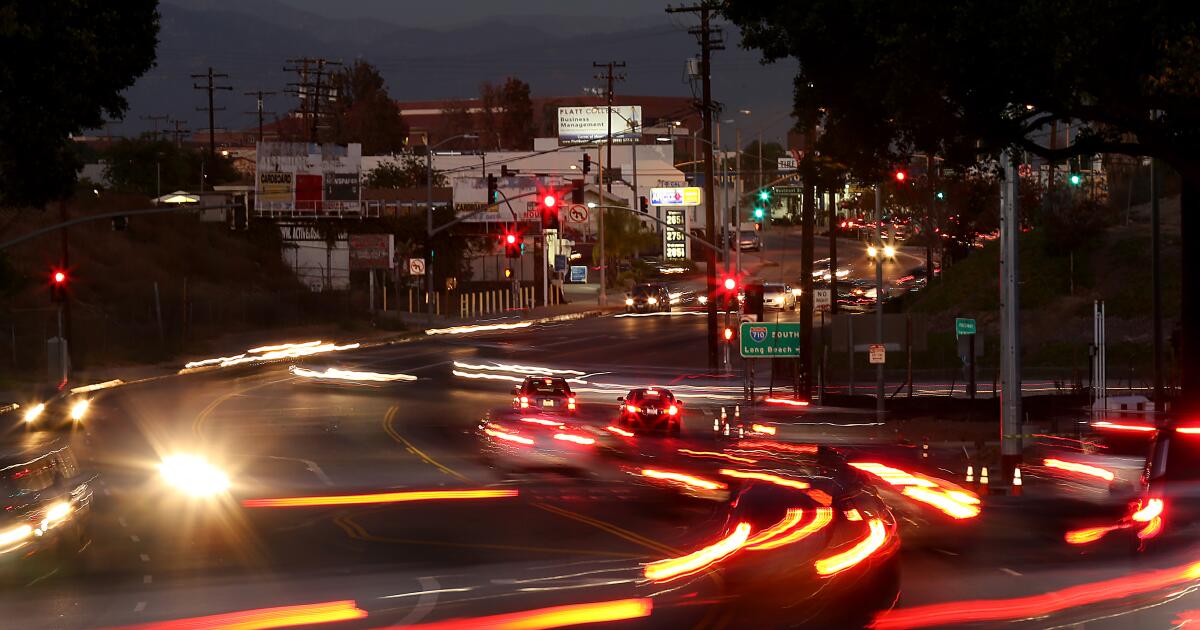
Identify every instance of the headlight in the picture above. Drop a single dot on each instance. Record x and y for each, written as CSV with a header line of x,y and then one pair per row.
x,y
193,475
628,301
871,251
79,409
889,251
14,535
704,299
33,412
55,515
652,300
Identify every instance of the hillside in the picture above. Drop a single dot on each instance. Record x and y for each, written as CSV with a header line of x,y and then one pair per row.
x,y
1057,294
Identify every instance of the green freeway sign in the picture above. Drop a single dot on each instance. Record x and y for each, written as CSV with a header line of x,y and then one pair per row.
x,y
964,326
761,340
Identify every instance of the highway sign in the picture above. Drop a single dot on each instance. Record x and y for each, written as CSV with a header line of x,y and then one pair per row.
x,y
578,273
766,339
577,214
822,298
964,326
416,266
877,353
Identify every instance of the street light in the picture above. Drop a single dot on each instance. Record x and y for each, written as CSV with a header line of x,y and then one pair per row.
x,y
429,217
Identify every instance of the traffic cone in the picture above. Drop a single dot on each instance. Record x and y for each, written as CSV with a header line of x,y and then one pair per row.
x,y
727,430
1017,485
737,413
716,425
970,474
983,480
741,431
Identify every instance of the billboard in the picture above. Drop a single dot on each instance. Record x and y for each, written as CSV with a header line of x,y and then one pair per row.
x,y
588,124
298,178
676,196
371,251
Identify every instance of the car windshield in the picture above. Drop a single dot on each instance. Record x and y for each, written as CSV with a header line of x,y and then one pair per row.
x,y
480,314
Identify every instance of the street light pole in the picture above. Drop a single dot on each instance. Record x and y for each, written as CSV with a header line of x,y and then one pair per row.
x,y
878,300
429,219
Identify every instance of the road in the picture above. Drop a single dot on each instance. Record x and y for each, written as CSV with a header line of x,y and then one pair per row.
x,y
155,558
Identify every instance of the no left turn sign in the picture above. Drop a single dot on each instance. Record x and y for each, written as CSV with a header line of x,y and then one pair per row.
x,y
577,214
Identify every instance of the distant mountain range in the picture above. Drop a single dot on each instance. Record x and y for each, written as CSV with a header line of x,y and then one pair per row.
x,y
251,41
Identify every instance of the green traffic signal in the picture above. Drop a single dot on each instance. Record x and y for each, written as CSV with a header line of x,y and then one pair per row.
x,y
764,195
941,195
1075,179
758,213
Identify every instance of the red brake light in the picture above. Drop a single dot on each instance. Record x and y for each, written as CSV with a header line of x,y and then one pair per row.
x,y
672,410
632,408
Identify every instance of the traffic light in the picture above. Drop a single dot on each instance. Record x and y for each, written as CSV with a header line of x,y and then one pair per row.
x,y
508,273
504,172
512,245
577,191
1075,179
759,213
493,192
644,204
940,195
900,176
728,334
758,226
764,195
549,207
58,286
587,163
730,283
754,300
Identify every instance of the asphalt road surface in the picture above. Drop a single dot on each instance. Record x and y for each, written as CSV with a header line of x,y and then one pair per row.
x,y
156,557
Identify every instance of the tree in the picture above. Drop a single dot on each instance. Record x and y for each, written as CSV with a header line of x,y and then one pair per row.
x,y
364,112
407,171
68,61
965,78
507,115
146,165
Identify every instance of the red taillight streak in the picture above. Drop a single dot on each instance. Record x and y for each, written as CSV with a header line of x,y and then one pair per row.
x,y
263,618
975,611
1151,529
725,456
1188,430
672,410
699,560
758,476
1088,535
1122,427
788,401
822,516
501,435
762,428
942,501
804,449
632,408
876,536
1077,467
687,480
1150,511
619,431
576,439
386,497
542,421
554,617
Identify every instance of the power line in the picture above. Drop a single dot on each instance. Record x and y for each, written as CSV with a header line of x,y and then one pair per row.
x,y
260,95
178,131
155,120
211,87
309,89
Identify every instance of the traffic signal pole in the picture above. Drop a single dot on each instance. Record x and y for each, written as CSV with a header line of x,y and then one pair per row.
x,y
878,300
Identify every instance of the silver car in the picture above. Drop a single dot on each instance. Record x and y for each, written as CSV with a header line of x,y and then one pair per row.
x,y
749,241
779,295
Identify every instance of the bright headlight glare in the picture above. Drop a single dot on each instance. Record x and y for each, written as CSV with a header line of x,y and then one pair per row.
x,y
79,409
653,300
889,251
15,535
33,412
628,301
871,251
193,475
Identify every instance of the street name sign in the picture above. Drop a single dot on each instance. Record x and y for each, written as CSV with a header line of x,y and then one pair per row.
x,y
964,326
765,339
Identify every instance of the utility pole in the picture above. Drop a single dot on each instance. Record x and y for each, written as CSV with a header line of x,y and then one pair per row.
x,y
878,300
1010,325
211,87
833,280
1156,279
309,89
155,119
179,132
710,40
609,77
807,227
260,95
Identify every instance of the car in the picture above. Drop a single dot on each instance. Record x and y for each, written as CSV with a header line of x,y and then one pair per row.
x,y
651,409
779,295
546,394
55,410
45,502
749,241
648,298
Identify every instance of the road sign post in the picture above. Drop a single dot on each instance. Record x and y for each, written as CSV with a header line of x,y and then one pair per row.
x,y
877,354
822,298
964,326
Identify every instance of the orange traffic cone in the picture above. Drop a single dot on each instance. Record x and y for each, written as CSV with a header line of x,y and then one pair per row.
x,y
1017,485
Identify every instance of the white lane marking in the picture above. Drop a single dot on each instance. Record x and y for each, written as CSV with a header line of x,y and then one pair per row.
x,y
145,557
419,593
425,601
135,539
41,577
945,551
1010,572
310,465
146,579
122,521
139,607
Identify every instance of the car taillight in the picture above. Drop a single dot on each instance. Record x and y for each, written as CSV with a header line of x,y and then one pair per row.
x,y
571,402
672,410
524,401
632,408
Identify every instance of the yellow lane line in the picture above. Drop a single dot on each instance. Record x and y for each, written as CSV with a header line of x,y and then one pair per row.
x,y
615,530
387,426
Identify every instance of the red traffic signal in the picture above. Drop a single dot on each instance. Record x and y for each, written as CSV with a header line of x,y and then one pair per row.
x,y
510,239
549,202
730,283
900,176
728,333
512,245
59,277
58,286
